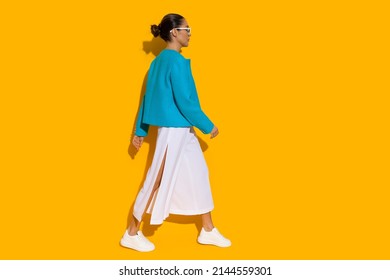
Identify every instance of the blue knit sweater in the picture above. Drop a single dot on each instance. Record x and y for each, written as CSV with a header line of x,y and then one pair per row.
x,y
171,99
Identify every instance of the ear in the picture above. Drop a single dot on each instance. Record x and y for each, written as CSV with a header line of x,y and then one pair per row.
x,y
174,32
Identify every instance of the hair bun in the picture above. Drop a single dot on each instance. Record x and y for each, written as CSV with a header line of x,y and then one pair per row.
x,y
155,30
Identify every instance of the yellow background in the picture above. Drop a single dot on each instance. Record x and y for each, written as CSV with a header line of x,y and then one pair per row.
x,y
298,89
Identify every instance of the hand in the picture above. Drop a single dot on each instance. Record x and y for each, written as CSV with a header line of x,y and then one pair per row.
x,y
137,142
214,132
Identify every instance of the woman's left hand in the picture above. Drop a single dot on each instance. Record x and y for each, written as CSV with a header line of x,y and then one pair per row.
x,y
214,132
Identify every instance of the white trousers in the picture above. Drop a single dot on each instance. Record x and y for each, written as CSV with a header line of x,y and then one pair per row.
x,y
185,186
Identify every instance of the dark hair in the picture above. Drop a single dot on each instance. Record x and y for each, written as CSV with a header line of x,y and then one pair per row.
x,y
168,22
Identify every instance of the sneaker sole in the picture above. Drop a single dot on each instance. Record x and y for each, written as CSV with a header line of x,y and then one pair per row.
x,y
207,242
124,244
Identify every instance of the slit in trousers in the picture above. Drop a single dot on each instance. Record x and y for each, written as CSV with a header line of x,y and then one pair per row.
x,y
184,188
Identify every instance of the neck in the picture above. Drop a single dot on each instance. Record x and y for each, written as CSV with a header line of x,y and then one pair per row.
x,y
173,46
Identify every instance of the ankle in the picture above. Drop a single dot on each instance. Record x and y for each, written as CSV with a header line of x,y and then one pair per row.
x,y
208,228
132,231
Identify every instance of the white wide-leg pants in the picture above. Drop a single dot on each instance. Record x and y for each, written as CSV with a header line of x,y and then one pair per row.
x,y
185,186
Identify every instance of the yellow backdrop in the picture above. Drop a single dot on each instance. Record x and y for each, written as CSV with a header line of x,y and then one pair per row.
x,y
298,89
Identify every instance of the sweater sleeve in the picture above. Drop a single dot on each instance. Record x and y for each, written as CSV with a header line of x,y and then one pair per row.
x,y
141,127
186,96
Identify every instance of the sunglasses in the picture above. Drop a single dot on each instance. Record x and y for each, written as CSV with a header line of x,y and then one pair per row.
x,y
188,29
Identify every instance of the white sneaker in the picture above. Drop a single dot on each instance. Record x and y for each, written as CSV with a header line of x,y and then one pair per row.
x,y
213,237
137,242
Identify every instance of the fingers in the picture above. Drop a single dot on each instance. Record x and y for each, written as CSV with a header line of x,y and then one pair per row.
x,y
137,142
214,132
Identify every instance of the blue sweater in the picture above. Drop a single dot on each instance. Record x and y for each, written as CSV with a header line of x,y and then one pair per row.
x,y
171,99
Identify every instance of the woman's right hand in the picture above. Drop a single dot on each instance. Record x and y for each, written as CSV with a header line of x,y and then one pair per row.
x,y
137,142
214,132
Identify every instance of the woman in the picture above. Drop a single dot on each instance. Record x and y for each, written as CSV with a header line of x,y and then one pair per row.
x,y
177,181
